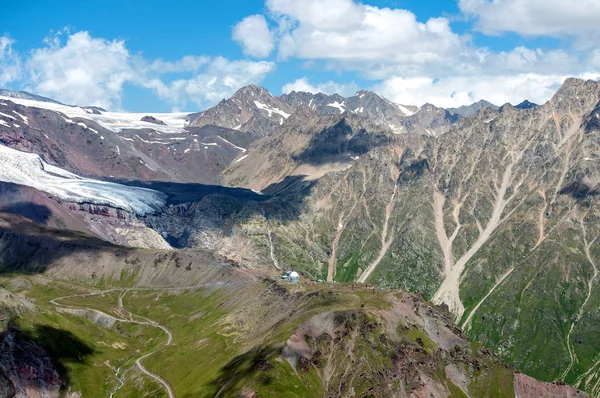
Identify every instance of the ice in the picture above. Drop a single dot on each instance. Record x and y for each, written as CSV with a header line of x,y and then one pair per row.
x,y
30,170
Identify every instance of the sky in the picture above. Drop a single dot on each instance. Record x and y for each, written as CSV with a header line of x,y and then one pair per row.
x,y
147,56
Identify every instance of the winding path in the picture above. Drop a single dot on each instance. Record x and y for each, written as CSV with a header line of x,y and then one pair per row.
x,y
147,322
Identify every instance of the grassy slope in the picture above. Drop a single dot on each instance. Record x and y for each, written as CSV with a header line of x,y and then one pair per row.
x,y
231,338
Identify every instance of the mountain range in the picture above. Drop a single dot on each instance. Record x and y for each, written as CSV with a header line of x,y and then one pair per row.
x,y
488,212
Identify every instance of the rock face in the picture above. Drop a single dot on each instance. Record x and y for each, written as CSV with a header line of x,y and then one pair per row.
x,y
139,153
473,109
526,105
152,119
251,109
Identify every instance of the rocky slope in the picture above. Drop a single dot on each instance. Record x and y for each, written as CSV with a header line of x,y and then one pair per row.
x,y
118,146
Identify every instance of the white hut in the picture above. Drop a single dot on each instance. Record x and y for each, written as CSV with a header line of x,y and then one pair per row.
x,y
294,277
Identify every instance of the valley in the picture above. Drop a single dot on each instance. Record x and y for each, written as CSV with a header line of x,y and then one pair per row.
x,y
154,246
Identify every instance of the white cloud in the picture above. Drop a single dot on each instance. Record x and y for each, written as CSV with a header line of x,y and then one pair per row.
x,y
414,61
254,36
535,17
354,34
220,80
10,63
329,87
189,63
461,90
83,70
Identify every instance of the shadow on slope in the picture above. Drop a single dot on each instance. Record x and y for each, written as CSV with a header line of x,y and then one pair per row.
x,y
249,365
41,350
29,248
37,213
579,191
341,139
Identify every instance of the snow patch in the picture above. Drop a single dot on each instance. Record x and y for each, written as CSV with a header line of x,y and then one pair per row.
x,y
113,121
341,107
8,116
240,159
30,170
233,145
151,142
3,123
405,110
270,110
25,118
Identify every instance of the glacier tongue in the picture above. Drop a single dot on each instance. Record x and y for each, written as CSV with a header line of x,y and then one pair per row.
x,y
29,169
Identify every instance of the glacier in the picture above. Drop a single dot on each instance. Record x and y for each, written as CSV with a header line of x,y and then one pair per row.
x,y
30,170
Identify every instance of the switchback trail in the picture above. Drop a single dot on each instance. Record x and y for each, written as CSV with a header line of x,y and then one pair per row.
x,y
130,319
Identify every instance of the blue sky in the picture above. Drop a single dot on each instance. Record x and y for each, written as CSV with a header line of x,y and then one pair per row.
x,y
441,51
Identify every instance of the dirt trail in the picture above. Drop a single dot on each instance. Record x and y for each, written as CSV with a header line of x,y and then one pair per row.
x,y
145,322
467,323
150,323
587,246
386,241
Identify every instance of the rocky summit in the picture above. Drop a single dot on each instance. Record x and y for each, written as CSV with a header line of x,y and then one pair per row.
x,y
441,252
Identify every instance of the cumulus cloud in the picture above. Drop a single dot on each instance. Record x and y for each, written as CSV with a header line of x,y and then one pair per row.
x,y
254,36
414,62
189,63
535,17
219,80
330,87
352,33
10,63
83,70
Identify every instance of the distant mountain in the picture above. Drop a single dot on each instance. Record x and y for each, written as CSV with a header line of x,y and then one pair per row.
x,y
473,109
27,96
526,105
251,109
254,110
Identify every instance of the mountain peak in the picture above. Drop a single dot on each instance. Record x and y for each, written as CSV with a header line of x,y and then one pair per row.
x,y
253,91
526,105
